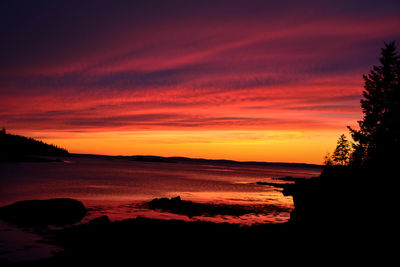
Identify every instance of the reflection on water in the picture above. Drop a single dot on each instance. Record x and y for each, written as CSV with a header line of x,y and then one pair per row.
x,y
108,183
118,188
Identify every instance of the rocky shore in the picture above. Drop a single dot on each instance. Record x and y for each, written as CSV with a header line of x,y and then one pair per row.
x,y
328,226
178,206
149,241
355,207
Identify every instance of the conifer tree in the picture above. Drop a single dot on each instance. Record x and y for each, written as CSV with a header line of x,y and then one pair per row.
x,y
341,155
378,137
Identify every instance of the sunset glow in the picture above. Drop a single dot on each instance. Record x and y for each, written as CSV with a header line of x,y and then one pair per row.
x,y
233,81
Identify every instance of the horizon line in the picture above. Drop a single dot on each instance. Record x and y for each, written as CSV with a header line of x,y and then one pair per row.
x,y
204,159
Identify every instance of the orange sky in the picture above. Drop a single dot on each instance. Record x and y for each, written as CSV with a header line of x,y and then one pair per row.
x,y
242,81
257,145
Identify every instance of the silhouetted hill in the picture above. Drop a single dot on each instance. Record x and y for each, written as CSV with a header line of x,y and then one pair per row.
x,y
21,148
216,161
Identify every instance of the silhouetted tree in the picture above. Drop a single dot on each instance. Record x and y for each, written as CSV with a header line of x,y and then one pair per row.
x,y
378,139
328,160
341,155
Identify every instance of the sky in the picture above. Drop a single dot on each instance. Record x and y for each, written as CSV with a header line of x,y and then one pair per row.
x,y
274,81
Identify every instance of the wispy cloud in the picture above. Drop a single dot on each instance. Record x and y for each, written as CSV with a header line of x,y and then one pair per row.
x,y
117,66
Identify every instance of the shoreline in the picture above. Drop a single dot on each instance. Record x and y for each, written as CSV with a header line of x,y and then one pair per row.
x,y
183,243
316,226
82,241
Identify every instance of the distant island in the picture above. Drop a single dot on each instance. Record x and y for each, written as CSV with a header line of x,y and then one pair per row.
x,y
21,148
147,158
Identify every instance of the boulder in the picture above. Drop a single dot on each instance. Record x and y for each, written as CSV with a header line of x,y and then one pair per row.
x,y
58,211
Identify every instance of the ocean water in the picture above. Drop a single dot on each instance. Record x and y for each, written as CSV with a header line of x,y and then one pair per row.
x,y
119,187
116,186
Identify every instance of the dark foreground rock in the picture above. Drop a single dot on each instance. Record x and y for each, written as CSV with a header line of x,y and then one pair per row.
x,y
58,211
154,242
357,206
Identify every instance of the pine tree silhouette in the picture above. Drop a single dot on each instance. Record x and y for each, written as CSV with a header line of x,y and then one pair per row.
x,y
378,139
341,155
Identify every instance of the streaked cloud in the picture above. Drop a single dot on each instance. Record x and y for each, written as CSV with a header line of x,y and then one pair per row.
x,y
178,65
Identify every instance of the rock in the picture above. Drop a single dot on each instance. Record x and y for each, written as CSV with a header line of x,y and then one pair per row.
x,y
171,243
190,209
100,221
58,211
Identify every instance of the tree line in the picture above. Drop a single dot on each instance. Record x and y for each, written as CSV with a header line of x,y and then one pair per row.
x,y
17,147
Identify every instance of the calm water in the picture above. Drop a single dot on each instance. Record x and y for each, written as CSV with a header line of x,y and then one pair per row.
x,y
118,188
113,186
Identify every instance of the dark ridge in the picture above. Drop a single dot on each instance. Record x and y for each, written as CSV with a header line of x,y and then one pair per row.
x,y
21,148
256,163
148,158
